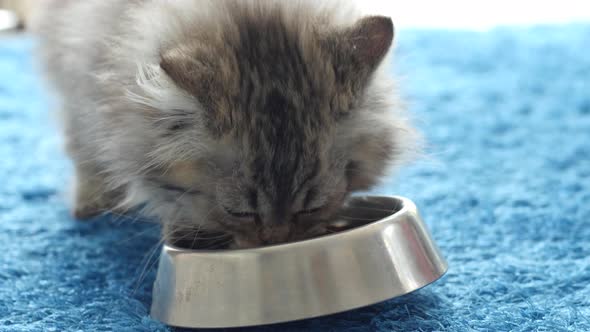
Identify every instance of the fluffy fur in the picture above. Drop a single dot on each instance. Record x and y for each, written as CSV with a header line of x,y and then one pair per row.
x,y
255,118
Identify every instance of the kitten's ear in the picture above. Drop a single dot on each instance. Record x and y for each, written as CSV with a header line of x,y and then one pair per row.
x,y
370,39
177,63
200,71
358,50
192,70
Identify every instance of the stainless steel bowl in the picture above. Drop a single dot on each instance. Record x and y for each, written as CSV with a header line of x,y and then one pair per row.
x,y
382,250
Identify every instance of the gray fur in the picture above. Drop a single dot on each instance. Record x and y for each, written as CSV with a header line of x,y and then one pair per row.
x,y
256,118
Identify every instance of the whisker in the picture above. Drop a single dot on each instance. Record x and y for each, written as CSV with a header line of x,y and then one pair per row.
x,y
355,218
147,266
375,209
138,234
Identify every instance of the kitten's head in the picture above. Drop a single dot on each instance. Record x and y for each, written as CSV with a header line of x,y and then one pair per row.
x,y
284,118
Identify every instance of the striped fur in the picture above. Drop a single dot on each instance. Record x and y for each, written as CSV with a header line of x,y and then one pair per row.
x,y
256,118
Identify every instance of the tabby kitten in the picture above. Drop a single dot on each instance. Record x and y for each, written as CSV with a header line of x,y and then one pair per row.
x,y
254,118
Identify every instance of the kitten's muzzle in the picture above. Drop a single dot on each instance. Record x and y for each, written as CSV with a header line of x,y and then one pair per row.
x,y
276,233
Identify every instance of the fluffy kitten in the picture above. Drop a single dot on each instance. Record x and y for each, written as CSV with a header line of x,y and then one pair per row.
x,y
255,118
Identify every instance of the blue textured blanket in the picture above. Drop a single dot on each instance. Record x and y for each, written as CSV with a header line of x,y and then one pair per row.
x,y
505,190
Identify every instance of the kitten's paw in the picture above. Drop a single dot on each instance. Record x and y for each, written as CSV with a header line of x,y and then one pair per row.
x,y
93,199
85,212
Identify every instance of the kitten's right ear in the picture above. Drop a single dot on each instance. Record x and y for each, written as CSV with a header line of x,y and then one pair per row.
x,y
190,72
174,63
200,71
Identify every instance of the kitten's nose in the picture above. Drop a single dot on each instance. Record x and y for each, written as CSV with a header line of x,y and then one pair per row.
x,y
277,226
275,233
277,217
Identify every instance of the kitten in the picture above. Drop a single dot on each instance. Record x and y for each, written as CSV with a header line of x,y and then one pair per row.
x,y
254,118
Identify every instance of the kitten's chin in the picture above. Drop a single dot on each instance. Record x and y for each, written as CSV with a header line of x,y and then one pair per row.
x,y
259,239
241,242
255,240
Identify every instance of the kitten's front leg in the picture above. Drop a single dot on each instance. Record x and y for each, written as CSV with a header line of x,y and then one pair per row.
x,y
92,196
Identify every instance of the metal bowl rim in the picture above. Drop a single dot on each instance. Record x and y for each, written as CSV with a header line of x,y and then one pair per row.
x,y
406,205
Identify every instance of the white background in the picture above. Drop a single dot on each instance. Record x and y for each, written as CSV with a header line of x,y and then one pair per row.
x,y
478,15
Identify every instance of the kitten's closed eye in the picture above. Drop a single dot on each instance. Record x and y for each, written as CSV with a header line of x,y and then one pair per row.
x,y
188,191
310,211
175,188
241,215
178,126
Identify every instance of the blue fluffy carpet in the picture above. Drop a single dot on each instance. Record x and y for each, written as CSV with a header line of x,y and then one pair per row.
x,y
505,191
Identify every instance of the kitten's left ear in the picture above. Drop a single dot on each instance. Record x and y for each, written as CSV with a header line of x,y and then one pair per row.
x,y
370,39
357,51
